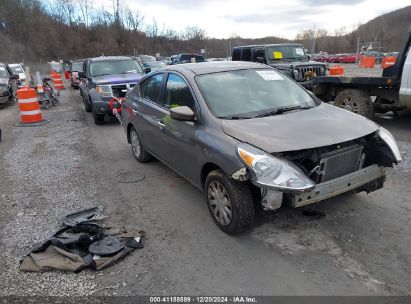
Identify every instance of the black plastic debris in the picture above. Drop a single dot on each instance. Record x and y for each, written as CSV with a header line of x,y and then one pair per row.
x,y
106,246
84,244
85,215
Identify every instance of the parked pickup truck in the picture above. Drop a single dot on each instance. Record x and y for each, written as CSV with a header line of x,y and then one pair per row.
x,y
290,59
369,95
105,78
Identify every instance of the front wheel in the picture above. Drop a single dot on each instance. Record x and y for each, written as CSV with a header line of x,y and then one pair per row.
x,y
230,202
87,106
356,101
138,150
98,118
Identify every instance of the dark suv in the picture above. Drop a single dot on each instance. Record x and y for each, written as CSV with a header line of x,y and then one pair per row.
x,y
8,84
290,59
186,58
105,78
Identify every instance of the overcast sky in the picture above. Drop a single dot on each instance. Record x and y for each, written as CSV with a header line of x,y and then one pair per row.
x,y
248,18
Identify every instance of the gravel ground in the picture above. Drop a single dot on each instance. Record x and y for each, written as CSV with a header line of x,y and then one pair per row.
x,y
45,169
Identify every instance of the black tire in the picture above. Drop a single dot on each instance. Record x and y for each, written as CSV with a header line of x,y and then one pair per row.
x,y
356,101
139,152
98,118
55,101
87,106
240,197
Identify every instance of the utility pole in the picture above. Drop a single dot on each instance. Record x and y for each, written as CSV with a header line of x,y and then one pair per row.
x,y
358,50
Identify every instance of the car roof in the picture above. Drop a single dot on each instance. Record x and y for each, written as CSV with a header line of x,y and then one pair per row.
x,y
265,45
214,67
106,58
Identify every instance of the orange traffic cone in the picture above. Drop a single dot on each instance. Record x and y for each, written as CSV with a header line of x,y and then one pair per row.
x,y
30,114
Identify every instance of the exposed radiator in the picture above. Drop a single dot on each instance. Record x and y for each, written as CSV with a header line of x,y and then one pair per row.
x,y
340,162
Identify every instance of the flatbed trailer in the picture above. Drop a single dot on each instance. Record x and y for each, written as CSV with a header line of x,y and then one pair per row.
x,y
369,95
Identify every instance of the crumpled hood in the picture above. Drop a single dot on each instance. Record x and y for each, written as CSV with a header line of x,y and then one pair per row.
x,y
117,78
302,129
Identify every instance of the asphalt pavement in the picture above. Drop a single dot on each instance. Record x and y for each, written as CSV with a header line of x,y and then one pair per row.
x,y
348,245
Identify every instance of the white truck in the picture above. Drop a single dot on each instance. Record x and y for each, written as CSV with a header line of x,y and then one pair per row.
x,y
369,95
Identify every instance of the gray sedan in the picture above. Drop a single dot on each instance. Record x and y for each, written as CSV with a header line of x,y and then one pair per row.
x,y
247,135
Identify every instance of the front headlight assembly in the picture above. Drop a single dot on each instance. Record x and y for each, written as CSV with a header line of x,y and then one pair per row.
x,y
272,172
389,139
104,90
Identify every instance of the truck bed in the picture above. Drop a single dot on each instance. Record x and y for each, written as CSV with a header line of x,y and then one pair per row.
x,y
355,81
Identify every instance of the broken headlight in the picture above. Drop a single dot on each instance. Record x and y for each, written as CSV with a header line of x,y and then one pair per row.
x,y
272,172
389,139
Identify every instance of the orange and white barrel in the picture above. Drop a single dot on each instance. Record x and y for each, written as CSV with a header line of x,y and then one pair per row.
x,y
57,81
29,107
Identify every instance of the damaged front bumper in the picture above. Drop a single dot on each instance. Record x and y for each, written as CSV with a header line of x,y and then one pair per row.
x,y
367,179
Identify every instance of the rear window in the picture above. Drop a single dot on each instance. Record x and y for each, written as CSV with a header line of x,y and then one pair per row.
x,y
246,55
236,55
77,67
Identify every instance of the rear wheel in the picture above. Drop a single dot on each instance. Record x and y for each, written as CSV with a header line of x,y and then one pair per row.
x,y
356,101
136,146
230,202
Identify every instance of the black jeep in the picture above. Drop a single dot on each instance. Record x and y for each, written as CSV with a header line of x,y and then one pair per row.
x,y
290,59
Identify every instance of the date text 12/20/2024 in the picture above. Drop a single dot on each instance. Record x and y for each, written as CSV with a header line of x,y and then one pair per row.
x,y
203,299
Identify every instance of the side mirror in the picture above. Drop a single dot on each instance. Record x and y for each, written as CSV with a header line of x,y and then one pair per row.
x,y
260,59
15,77
182,113
147,70
81,75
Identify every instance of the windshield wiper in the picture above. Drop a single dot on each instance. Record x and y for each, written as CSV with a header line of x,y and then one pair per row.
x,y
282,110
101,75
235,117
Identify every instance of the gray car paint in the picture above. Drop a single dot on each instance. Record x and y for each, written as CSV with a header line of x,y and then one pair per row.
x,y
189,147
320,126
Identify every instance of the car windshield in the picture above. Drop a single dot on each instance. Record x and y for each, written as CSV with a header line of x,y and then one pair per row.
x,y
3,72
251,93
108,67
16,69
77,67
281,52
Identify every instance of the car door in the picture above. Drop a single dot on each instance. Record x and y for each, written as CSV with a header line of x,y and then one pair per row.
x,y
180,145
148,114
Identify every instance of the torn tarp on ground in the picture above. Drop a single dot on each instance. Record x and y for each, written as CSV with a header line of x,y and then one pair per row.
x,y
74,248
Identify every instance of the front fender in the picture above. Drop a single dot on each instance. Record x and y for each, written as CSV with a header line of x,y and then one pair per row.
x,y
218,149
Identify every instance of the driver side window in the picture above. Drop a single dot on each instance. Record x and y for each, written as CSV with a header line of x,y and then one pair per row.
x,y
177,93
